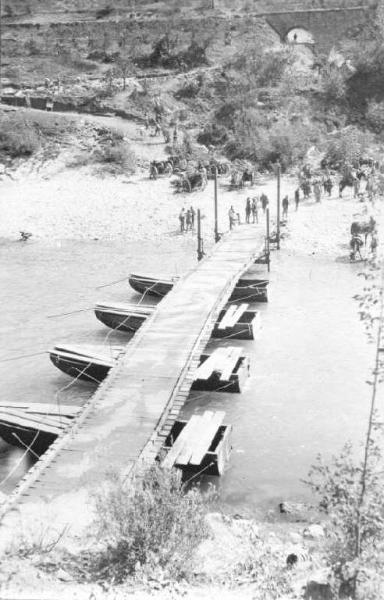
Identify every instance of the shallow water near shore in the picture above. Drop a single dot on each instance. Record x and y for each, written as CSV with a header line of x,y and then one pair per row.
x,y
306,393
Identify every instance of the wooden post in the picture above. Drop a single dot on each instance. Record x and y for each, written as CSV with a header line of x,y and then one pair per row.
x,y
267,252
200,250
217,236
278,205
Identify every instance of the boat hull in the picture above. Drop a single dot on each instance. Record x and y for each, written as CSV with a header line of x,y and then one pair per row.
x,y
120,321
25,437
79,368
150,286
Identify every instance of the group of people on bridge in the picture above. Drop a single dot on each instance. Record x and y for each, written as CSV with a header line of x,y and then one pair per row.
x,y
187,219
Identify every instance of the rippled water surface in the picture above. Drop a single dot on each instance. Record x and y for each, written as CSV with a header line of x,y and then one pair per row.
x,y
306,393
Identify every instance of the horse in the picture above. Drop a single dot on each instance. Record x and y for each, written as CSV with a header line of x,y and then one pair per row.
x,y
247,176
350,179
328,185
364,228
236,179
306,187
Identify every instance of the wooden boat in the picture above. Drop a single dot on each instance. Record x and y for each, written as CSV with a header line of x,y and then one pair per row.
x,y
123,317
251,286
200,445
225,370
34,426
90,363
130,317
155,286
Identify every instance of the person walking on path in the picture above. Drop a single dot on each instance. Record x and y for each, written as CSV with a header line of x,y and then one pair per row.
x,y
264,201
297,198
193,214
317,191
285,207
248,210
255,210
153,172
232,217
146,121
182,220
188,220
175,136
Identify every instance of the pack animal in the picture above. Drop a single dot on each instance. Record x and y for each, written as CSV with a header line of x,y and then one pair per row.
x,y
364,228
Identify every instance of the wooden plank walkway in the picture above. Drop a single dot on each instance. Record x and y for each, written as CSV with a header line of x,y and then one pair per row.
x,y
125,423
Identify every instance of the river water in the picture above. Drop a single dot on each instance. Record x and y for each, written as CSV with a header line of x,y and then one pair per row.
x,y
306,393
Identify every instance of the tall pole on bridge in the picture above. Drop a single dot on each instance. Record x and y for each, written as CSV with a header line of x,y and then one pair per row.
x,y
267,238
200,249
278,204
217,235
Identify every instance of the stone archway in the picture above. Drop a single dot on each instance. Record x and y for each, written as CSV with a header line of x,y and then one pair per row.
x,y
300,35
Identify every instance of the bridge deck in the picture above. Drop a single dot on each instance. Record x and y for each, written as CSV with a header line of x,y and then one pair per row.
x,y
125,422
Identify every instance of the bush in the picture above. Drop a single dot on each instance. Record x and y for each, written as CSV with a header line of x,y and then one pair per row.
x,y
153,524
18,137
333,85
346,146
116,154
375,116
338,486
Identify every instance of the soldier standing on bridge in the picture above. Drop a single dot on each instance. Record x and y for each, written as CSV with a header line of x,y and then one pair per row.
x,y
248,210
232,217
285,207
182,220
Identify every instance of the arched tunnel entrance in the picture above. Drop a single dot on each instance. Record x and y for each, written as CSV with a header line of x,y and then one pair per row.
x,y
298,35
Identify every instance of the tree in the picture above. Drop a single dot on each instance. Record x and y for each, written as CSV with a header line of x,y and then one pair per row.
x,y
352,494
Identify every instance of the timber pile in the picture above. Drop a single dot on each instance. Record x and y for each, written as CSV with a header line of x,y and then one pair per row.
x,y
195,440
232,316
222,361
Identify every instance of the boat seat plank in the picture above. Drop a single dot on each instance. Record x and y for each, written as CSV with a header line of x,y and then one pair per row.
x,y
45,409
24,423
36,421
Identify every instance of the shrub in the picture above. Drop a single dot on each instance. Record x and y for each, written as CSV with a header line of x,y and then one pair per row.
x,y
375,116
18,137
333,85
116,154
338,485
153,524
346,146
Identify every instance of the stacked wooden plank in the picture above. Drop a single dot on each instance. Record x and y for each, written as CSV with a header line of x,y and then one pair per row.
x,y
232,316
195,440
225,370
222,361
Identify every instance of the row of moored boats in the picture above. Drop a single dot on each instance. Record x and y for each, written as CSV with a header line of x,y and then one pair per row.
x,y
36,426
